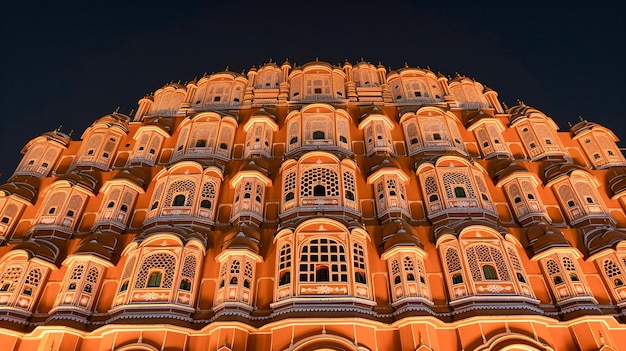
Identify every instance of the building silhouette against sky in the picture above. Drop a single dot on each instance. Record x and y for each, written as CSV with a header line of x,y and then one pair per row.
x,y
317,207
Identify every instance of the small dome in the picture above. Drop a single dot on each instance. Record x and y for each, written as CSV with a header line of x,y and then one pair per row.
x,y
543,236
243,236
25,187
504,168
40,248
556,170
83,178
617,183
603,238
378,162
104,245
400,233
517,112
582,126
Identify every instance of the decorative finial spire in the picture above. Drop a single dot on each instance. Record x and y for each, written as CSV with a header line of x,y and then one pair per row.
x,y
569,123
227,67
58,128
602,338
132,112
117,109
70,133
406,65
505,105
581,118
520,102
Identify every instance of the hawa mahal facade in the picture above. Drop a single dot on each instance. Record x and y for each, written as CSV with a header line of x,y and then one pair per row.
x,y
317,207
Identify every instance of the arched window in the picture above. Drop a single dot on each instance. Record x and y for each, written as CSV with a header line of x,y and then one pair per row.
x,y
319,190
185,284
459,192
489,272
154,279
179,200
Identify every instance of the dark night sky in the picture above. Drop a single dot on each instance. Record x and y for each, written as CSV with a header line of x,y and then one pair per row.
x,y
71,65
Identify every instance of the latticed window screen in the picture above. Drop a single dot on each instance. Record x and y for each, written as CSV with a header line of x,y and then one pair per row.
x,y
450,179
517,264
247,272
208,193
570,267
320,177
92,275
10,211
411,133
409,268
290,185
284,265
323,260
348,185
34,277
480,255
584,190
235,266
182,139
395,271
226,138
127,199
10,278
567,195
544,132
184,186
93,144
160,260
157,195
421,270
431,185
77,272
553,267
56,201
189,267
453,261
113,197
360,274
128,270
611,268
259,193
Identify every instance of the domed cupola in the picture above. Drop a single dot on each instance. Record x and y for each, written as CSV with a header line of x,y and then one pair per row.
x,y
543,236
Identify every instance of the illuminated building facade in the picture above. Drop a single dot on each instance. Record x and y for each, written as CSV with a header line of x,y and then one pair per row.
x,y
317,207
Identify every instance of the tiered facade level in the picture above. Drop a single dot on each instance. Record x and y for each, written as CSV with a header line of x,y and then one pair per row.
x,y
317,207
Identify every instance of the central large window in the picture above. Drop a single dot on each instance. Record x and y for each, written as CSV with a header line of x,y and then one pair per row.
x,y
323,260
